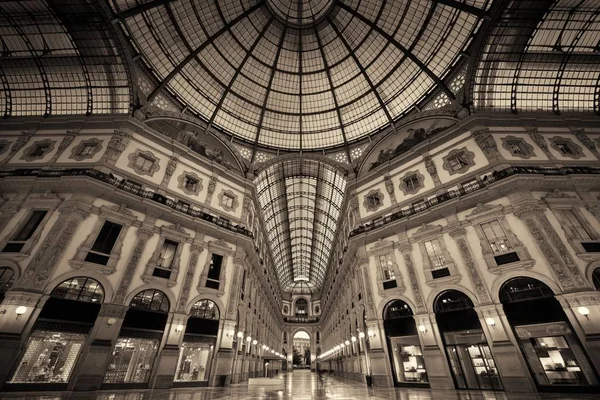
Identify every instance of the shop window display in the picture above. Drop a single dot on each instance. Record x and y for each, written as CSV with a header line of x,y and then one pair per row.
x,y
49,357
194,362
410,365
132,360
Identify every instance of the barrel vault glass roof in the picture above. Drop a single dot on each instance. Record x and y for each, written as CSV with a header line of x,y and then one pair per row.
x,y
301,201
304,74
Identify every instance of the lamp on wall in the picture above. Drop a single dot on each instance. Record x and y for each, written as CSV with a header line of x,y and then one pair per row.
x,y
111,321
584,311
491,322
353,338
361,335
20,311
254,342
179,328
249,339
240,334
347,343
423,329
371,333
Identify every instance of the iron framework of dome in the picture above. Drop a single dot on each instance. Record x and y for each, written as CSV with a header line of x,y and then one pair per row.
x,y
311,74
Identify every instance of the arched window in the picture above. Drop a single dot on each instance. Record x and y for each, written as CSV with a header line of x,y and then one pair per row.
x,y
524,289
301,308
150,300
80,288
7,278
452,300
205,309
596,278
397,309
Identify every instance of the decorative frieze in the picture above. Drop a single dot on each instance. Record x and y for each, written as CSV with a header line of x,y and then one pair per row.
x,y
540,141
64,143
169,170
487,144
212,184
117,144
18,145
44,262
415,286
432,170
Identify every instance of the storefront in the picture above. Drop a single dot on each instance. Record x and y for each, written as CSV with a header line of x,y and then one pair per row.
x,y
58,337
406,355
553,352
133,358
469,356
197,349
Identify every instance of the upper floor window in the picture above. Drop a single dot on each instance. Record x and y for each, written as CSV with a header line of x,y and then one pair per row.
x,y
228,201
387,267
144,163
26,231
517,147
373,200
87,150
435,254
566,147
205,309
79,289
214,271
150,300
166,258
39,150
104,244
7,278
458,161
190,183
496,237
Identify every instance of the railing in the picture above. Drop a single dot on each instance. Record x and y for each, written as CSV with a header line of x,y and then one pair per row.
x,y
470,188
128,187
301,320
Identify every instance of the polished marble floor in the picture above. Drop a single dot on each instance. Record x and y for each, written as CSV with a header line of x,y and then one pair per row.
x,y
299,385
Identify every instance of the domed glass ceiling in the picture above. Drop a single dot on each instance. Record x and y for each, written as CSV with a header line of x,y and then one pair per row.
x,y
304,74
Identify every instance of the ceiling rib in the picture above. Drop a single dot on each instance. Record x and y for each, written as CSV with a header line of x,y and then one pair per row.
x,y
478,12
132,12
436,79
199,49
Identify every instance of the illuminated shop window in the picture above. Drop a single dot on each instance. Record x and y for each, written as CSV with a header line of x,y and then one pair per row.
x,y
49,358
194,362
132,360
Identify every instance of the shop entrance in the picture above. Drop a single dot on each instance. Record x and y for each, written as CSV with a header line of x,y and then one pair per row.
x,y
469,356
555,357
405,351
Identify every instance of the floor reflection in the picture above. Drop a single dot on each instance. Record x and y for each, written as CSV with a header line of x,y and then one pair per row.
x,y
300,385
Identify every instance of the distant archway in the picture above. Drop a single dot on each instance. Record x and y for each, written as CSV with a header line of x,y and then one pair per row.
x,y
301,352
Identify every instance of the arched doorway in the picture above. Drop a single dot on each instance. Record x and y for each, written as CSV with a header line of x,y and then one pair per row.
x,y
547,340
59,335
301,356
197,348
404,347
135,352
471,361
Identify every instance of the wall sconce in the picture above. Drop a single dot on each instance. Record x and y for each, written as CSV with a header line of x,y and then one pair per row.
x,y
361,335
111,321
347,343
272,351
240,334
584,311
423,329
353,338
254,342
20,311
264,347
249,339
179,328
491,322
371,334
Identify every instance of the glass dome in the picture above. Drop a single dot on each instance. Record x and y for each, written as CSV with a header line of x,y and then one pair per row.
x,y
304,74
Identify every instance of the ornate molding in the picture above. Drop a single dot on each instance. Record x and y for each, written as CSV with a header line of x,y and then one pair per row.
x,y
76,150
526,150
373,200
28,152
558,194
487,143
576,150
409,176
472,268
117,144
414,282
585,139
146,154
467,156
234,200
181,181
170,169
143,234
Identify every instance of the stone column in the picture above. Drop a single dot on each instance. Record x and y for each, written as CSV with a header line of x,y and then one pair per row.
x,y
510,362
64,143
539,139
560,262
117,144
196,249
587,142
406,249
169,171
389,187
459,236
143,234
434,356
42,265
487,144
15,329
95,359
432,170
166,361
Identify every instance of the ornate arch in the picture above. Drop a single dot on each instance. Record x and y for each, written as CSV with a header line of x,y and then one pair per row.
x,y
84,273
502,279
139,289
436,291
14,265
207,296
383,304
589,270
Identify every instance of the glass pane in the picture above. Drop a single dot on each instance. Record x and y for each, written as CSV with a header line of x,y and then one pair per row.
x,y
413,364
558,361
49,357
30,226
131,361
194,362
